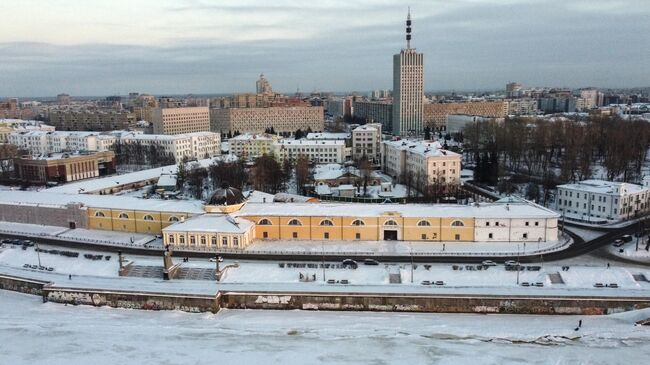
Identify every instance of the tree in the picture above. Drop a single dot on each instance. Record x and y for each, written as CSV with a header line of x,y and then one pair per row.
x,y
181,174
267,175
232,173
427,133
365,170
303,174
298,134
195,178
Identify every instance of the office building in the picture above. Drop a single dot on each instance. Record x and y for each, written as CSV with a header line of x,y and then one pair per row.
x,y
181,120
258,120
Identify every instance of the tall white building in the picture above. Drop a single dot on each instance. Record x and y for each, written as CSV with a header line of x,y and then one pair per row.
x,y
263,86
408,89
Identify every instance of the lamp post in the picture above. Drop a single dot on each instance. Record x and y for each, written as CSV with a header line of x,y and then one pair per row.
x,y
411,252
38,254
322,246
517,266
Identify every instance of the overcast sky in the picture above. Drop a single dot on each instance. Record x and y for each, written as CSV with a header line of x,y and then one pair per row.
x,y
92,47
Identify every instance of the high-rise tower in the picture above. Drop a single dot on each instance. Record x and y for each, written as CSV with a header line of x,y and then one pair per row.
x,y
408,88
263,86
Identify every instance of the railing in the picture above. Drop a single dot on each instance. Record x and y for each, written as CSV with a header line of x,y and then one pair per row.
x,y
217,250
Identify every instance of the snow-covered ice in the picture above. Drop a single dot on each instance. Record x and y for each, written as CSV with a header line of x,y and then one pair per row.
x,y
36,333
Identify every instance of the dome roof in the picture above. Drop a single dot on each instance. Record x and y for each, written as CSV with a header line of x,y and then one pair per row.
x,y
226,195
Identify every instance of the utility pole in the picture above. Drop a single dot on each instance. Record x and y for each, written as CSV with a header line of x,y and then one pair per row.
x,y
411,246
517,266
38,254
322,245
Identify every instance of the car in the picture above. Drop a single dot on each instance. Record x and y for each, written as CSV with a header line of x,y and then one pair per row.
x,y
349,263
212,259
511,263
489,263
618,243
370,262
626,238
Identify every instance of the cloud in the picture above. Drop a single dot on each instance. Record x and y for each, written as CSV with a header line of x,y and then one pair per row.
x,y
212,47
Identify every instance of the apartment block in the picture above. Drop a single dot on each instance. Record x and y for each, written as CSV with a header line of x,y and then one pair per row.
x,y
181,120
91,119
424,160
257,120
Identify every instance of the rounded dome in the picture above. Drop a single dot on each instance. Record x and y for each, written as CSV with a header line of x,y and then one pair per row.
x,y
226,195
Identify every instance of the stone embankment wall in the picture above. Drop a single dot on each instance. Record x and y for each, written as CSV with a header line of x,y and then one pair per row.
x,y
431,304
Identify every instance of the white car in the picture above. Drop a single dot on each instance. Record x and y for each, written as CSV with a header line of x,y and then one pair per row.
x,y
511,263
489,263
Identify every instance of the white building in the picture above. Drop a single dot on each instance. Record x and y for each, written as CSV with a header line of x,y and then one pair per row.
x,y
197,145
316,150
328,136
250,146
425,160
366,141
599,201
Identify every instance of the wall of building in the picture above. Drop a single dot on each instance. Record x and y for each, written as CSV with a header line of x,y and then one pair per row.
x,y
131,220
53,215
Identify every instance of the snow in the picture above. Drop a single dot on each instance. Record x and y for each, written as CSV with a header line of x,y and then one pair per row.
x,y
629,251
603,187
515,209
112,237
36,332
211,223
32,229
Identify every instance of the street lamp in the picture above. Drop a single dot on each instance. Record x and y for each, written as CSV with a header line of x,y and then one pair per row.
x,y
322,247
517,266
38,254
411,252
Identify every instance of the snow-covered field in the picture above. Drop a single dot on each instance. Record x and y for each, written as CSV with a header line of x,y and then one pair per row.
x,y
37,333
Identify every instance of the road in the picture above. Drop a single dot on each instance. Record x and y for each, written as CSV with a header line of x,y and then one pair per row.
x,y
578,248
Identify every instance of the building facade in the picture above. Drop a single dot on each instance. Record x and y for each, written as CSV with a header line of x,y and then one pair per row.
x,y
423,160
366,142
91,120
600,201
251,146
258,120
197,145
435,114
64,167
375,112
181,120
317,151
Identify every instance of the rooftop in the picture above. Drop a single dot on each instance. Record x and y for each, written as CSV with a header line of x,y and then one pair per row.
x,y
424,148
603,187
221,223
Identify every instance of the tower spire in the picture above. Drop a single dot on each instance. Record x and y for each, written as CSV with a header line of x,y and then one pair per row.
x,y
408,29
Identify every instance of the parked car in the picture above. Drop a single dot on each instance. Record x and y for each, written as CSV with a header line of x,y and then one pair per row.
x,y
626,238
618,243
349,263
489,263
511,263
370,262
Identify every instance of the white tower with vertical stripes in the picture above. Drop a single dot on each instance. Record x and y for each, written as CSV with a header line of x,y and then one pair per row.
x,y
408,88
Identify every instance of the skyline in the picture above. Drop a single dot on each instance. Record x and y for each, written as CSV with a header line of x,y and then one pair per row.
x,y
202,47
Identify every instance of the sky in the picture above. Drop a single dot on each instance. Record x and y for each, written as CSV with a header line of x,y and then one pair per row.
x,y
92,47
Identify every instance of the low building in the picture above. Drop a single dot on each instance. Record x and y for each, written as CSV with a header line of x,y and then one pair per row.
x,y
600,201
216,231
316,151
420,161
196,145
64,167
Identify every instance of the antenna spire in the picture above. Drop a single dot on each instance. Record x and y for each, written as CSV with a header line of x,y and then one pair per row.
x,y
408,29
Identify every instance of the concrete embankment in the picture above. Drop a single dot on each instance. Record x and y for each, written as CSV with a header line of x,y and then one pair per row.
x,y
434,303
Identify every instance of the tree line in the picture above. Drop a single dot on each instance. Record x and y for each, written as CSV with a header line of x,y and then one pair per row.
x,y
139,154
557,151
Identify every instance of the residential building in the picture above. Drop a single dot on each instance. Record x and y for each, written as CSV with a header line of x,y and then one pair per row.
x,y
196,145
522,107
436,114
63,99
340,107
257,120
601,201
317,151
64,167
422,161
263,86
374,112
329,136
44,142
250,146
408,89
366,142
91,119
513,90
181,120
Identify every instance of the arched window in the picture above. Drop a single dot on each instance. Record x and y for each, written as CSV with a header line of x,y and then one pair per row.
x,y
326,222
457,224
358,222
99,214
173,219
295,222
147,217
424,223
390,222
264,222
123,216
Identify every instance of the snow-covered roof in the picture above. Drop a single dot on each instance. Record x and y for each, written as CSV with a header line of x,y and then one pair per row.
x,y
424,148
251,136
90,185
167,180
101,201
515,209
291,198
257,196
308,142
218,223
603,187
328,135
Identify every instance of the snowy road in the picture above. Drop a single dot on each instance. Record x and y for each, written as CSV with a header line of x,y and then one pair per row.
x,y
37,333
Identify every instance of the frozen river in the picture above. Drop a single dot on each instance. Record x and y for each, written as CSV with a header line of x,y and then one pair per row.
x,y
35,333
